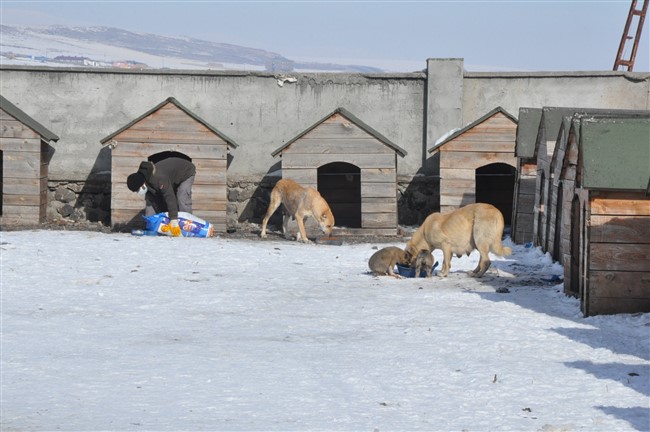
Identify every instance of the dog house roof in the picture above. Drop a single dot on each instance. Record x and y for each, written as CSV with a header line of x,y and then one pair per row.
x,y
615,153
527,128
552,119
461,131
570,125
171,100
354,119
27,120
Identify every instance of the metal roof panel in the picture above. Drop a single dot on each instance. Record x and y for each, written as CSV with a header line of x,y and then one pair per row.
x,y
527,128
615,153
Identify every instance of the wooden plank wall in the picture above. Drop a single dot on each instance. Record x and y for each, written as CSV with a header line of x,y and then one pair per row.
x,y
24,173
618,254
522,228
567,176
337,139
542,190
170,129
554,211
492,141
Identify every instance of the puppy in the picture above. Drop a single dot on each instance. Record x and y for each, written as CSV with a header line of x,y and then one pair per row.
x,y
383,261
424,261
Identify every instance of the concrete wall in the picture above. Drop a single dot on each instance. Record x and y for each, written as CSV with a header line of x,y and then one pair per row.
x,y
262,111
613,90
257,110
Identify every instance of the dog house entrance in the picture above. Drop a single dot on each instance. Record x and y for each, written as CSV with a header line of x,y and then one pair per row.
x,y
495,184
340,184
157,157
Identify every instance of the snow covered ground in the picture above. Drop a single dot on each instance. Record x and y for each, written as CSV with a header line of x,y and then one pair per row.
x,y
119,332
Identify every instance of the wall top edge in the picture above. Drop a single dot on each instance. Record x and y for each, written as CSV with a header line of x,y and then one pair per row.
x,y
558,74
383,75
215,73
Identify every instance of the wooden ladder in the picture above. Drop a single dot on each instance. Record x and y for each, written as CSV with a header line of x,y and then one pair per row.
x,y
629,63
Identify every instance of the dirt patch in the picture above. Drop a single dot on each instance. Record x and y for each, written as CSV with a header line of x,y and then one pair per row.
x,y
243,231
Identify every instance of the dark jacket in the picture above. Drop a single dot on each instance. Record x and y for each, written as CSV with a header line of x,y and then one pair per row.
x,y
163,177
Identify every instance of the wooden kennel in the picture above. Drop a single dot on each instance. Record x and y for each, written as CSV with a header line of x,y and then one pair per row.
x,y
170,128
477,163
25,148
547,138
354,168
607,257
524,194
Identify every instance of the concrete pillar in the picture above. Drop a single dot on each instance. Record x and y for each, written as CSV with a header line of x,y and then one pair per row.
x,y
444,98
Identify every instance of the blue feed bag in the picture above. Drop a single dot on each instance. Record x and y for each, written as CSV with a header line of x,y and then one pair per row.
x,y
191,226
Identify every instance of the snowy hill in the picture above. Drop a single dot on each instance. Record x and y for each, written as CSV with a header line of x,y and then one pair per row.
x,y
113,47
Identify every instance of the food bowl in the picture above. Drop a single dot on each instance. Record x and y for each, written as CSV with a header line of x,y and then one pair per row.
x,y
140,232
409,272
334,241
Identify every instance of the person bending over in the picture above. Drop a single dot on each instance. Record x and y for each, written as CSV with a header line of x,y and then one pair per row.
x,y
167,186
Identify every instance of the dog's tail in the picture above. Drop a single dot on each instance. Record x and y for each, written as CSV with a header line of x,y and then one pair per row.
x,y
501,250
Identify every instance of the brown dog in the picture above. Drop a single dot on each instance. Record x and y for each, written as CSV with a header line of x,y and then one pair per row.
x,y
423,261
475,226
299,202
383,261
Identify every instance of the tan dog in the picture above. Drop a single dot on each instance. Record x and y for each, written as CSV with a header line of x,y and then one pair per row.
x,y
475,226
299,202
383,261
423,261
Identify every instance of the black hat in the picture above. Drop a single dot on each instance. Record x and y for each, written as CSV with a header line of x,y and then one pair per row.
x,y
135,181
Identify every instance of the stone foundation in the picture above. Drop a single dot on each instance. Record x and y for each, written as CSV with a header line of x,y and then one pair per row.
x,y
79,203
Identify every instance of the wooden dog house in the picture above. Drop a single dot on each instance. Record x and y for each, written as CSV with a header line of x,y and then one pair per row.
x,y
547,138
563,183
608,263
25,149
477,163
524,196
353,167
170,128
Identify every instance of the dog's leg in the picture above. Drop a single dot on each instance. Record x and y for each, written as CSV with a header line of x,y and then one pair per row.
x,y
476,270
276,200
285,224
391,272
484,263
446,260
418,268
301,235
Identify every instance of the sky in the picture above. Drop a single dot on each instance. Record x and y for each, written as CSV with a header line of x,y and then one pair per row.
x,y
145,333
395,35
